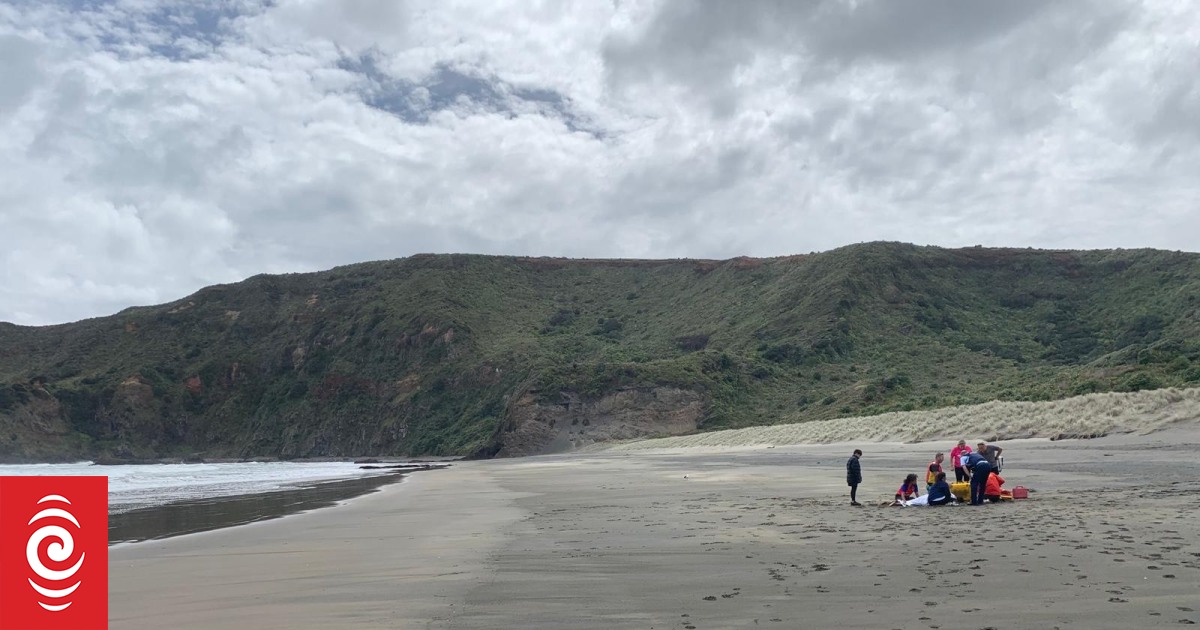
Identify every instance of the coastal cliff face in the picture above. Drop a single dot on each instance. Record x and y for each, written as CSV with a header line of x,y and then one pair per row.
x,y
535,427
479,355
39,427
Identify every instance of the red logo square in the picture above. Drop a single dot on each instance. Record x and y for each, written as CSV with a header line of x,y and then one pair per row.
x,y
53,553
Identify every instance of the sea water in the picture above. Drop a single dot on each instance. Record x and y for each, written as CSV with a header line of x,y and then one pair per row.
x,y
134,487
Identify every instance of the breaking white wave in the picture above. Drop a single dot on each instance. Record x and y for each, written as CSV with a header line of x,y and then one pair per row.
x,y
144,485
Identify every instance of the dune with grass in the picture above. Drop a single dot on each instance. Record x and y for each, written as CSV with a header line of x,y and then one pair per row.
x,y
1092,415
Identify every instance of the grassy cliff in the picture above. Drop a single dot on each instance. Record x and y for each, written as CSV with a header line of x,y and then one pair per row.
x,y
447,354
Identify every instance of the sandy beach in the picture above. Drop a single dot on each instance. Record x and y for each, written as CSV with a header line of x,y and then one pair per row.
x,y
753,536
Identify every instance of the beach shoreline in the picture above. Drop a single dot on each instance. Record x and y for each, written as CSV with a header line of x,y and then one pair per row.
x,y
751,536
182,518
191,516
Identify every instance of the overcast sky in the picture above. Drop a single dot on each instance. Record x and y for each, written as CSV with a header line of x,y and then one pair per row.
x,y
152,147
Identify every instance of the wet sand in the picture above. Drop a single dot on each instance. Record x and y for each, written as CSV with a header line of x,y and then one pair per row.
x,y
201,515
752,537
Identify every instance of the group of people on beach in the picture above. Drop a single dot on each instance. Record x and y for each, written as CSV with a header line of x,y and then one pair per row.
x,y
980,467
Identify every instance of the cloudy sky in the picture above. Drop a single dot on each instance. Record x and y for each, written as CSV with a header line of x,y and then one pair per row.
x,y
152,147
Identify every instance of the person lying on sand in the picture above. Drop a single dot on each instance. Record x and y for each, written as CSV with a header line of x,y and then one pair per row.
x,y
939,495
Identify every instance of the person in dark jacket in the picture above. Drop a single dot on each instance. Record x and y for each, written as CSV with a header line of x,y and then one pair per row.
x,y
980,471
939,492
854,476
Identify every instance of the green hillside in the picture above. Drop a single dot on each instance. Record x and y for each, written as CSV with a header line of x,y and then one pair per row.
x,y
457,354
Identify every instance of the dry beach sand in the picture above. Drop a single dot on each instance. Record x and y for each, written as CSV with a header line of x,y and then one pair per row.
x,y
754,536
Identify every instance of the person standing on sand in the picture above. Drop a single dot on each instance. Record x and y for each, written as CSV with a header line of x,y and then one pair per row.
x,y
956,455
932,470
991,453
980,470
854,476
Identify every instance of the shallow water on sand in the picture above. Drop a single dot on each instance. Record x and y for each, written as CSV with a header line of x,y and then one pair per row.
x,y
148,501
143,485
199,515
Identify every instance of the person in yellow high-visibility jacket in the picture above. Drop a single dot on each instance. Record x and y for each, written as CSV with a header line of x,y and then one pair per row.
x,y
932,470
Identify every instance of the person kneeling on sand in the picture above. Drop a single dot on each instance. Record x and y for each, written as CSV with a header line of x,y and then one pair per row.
x,y
994,490
939,492
908,490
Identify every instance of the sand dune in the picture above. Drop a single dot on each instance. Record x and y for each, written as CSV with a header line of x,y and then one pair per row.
x,y
1092,415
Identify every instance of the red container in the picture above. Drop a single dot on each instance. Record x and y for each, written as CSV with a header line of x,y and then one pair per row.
x,y
1020,492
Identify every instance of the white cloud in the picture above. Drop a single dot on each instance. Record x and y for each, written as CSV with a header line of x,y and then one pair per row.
x,y
151,147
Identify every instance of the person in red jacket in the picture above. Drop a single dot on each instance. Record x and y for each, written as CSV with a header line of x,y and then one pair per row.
x,y
994,489
956,453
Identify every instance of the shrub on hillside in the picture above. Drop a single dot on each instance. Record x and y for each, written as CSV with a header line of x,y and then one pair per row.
x,y
692,343
608,327
1138,382
783,353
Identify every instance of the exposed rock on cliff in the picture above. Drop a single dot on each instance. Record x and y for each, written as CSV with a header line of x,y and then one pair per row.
x,y
535,427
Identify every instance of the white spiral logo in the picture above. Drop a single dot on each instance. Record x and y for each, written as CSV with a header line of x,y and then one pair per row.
x,y
59,551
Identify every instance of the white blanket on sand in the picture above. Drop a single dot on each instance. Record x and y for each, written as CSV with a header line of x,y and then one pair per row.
x,y
921,500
